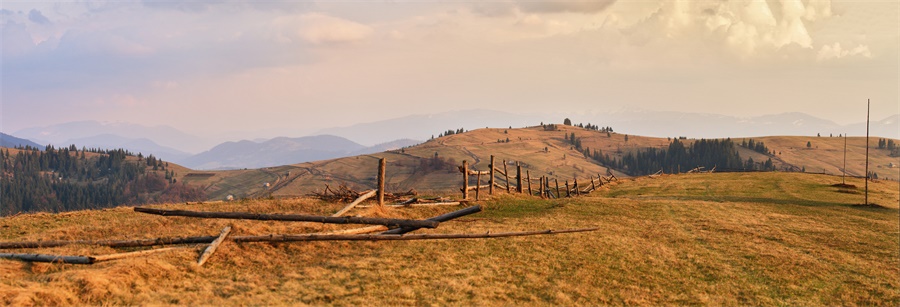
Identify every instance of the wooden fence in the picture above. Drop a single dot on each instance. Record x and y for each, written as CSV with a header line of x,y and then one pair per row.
x,y
544,189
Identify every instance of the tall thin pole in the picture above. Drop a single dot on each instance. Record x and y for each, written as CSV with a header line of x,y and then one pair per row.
x,y
381,170
844,174
868,108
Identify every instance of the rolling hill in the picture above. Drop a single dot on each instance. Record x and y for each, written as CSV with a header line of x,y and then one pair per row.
x,y
283,151
10,141
761,239
432,165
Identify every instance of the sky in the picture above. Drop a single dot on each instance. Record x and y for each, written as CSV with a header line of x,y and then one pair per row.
x,y
207,66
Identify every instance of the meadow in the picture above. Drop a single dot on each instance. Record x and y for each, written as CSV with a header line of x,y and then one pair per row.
x,y
694,239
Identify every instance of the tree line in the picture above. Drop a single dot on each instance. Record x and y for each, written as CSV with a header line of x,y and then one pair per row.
x,y
679,157
67,179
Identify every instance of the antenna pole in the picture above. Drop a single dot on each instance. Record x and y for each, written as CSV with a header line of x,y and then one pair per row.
x,y
868,108
844,173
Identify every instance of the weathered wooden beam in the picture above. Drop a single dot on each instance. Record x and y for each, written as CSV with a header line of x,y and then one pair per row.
x,y
465,171
440,218
518,177
478,173
478,186
506,174
474,187
528,179
110,243
557,187
292,217
491,180
109,257
366,195
213,246
48,258
361,230
382,165
321,237
406,237
452,203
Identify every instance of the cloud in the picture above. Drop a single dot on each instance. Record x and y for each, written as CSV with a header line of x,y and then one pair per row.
x,y
190,6
564,6
36,17
320,29
835,51
16,40
81,42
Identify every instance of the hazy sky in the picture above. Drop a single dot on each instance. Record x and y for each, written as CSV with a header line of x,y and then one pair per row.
x,y
304,65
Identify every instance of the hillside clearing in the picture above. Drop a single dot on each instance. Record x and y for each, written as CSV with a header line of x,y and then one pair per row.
x,y
723,239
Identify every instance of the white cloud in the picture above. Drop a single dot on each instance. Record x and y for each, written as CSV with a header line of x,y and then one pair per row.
x,y
320,29
835,51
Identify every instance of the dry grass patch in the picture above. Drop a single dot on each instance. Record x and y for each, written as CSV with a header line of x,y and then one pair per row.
x,y
719,239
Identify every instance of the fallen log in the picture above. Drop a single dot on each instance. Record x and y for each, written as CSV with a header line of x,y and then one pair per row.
x,y
361,230
213,246
365,237
292,217
49,258
407,237
440,218
366,195
111,243
133,254
453,203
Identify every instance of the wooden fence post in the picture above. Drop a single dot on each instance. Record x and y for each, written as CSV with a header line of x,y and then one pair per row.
x,y
528,179
593,187
465,173
557,188
382,164
567,189
577,192
506,173
541,187
600,179
491,180
478,186
518,177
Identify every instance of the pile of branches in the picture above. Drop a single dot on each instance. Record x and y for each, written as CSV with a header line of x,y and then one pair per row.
x,y
345,194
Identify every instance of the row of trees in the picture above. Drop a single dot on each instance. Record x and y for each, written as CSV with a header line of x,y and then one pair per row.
x,y
679,157
757,146
886,144
588,126
67,179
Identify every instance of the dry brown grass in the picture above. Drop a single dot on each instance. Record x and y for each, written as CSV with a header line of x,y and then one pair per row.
x,y
712,239
526,145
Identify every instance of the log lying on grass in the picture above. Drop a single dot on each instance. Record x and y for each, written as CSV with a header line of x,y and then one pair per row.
x,y
133,254
111,243
406,237
213,246
49,258
368,194
440,218
293,218
363,237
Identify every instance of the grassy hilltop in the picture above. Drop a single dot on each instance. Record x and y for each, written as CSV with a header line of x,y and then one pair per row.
x,y
719,239
541,152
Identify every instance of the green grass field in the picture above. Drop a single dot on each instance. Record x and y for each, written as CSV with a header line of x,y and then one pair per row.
x,y
701,239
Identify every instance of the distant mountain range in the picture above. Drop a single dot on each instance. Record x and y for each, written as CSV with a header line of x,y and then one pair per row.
x,y
192,151
631,121
99,134
283,151
7,140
